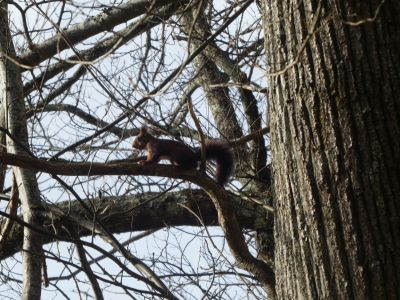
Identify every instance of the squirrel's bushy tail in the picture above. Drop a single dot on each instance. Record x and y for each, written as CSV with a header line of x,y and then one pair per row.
x,y
222,154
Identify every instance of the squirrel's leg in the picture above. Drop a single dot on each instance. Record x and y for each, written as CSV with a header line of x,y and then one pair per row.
x,y
151,159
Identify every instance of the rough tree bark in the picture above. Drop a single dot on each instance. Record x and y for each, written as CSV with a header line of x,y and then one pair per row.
x,y
335,137
13,110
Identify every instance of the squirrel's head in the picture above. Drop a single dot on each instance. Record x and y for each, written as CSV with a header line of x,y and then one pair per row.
x,y
142,139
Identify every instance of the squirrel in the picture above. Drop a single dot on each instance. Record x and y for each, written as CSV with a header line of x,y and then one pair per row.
x,y
184,156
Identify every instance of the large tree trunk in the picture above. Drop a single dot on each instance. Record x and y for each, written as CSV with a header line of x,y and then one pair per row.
x,y
335,139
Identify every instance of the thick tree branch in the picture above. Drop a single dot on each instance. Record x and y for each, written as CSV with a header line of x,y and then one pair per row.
x,y
142,212
249,103
234,236
197,29
221,199
104,21
103,47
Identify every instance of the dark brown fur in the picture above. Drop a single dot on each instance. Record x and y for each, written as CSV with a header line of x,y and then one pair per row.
x,y
184,156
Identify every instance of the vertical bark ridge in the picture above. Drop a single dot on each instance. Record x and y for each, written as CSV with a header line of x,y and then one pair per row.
x,y
371,142
359,143
327,215
336,133
324,259
390,144
333,162
348,208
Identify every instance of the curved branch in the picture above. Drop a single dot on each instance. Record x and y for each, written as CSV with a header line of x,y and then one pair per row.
x,y
237,244
87,269
222,201
104,21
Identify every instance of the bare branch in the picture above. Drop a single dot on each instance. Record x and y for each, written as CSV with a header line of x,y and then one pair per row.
x,y
147,211
105,21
